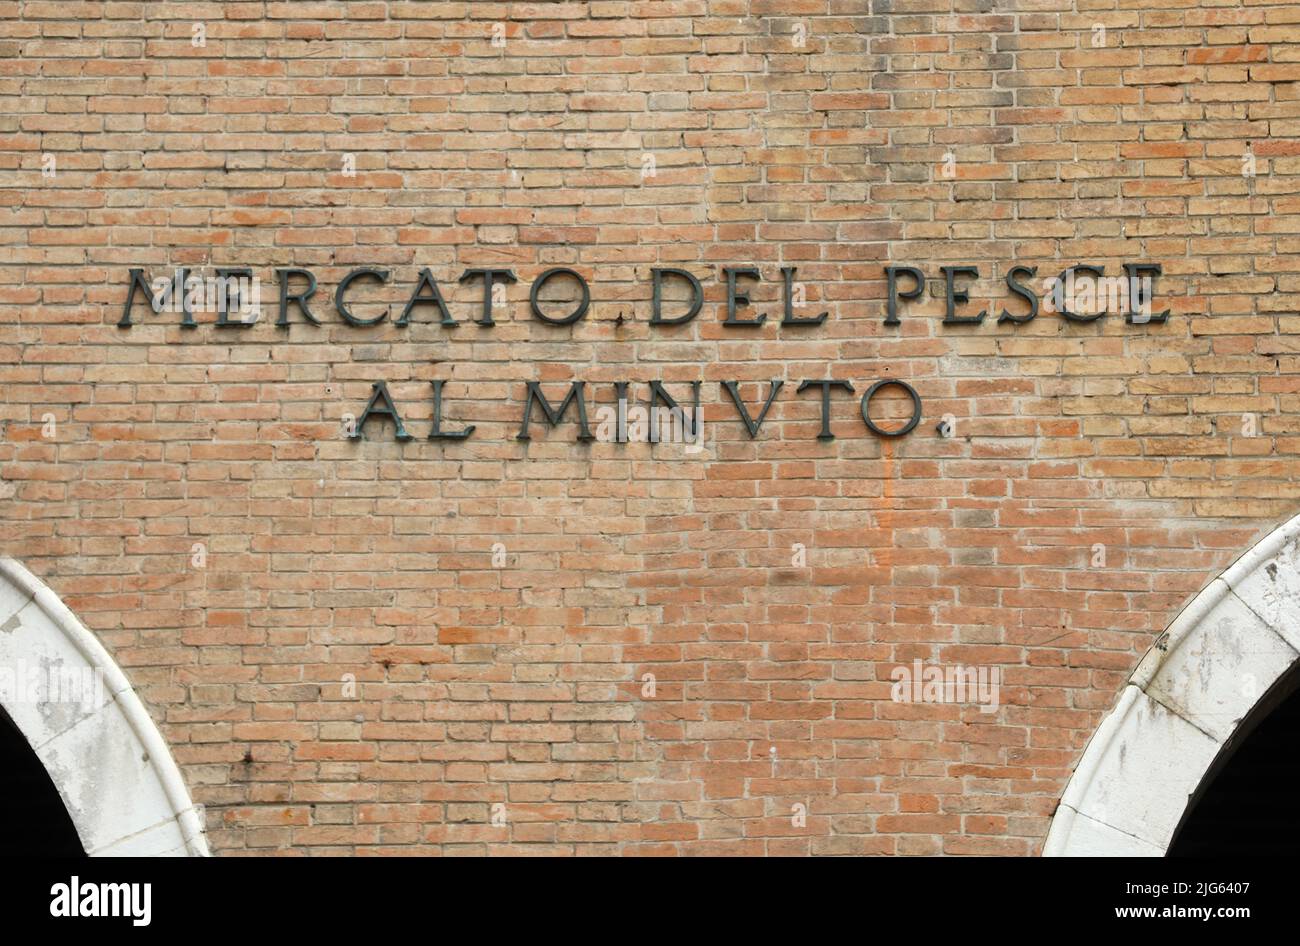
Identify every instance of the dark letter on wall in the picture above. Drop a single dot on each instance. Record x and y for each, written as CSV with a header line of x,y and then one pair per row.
x,y
826,402
1025,292
552,415
489,276
787,275
177,290
876,428
380,405
299,297
893,295
228,299
380,274
656,300
1135,273
737,298
425,284
546,277
137,281
438,433
1059,292
657,393
953,295
752,425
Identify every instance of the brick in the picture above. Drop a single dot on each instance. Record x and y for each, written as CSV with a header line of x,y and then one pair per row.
x,y
634,648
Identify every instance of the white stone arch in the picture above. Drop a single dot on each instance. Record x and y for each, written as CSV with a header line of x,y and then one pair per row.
x,y
1186,698
107,759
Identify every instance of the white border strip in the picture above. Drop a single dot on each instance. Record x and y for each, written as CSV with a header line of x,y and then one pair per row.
x,y
151,740
1097,776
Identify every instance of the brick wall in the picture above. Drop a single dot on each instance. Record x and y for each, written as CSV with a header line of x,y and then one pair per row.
x,y
194,495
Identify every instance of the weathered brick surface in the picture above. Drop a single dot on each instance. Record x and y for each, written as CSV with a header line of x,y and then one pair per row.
x,y
523,684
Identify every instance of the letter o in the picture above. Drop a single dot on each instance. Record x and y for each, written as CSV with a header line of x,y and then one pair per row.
x,y
876,428
541,280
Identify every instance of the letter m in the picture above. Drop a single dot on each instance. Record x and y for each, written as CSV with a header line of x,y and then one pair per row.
x,y
116,900
553,415
178,286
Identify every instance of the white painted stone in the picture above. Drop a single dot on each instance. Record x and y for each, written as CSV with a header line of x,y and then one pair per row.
x,y
106,757
29,642
1263,550
1272,591
161,840
1147,772
1214,673
13,598
1187,696
1184,625
107,781
1088,838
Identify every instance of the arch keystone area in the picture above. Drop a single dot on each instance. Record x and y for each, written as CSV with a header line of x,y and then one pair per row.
x,y
1189,693
108,760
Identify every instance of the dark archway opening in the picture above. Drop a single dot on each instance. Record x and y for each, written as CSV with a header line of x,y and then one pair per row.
x,y
33,821
1243,806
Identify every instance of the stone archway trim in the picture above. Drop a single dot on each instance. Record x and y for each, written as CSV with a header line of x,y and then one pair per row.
x,y
106,757
1187,696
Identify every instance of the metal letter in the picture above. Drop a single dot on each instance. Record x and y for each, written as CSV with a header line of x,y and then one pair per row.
x,y
826,402
380,394
545,277
906,428
380,274
656,302
732,388
552,415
